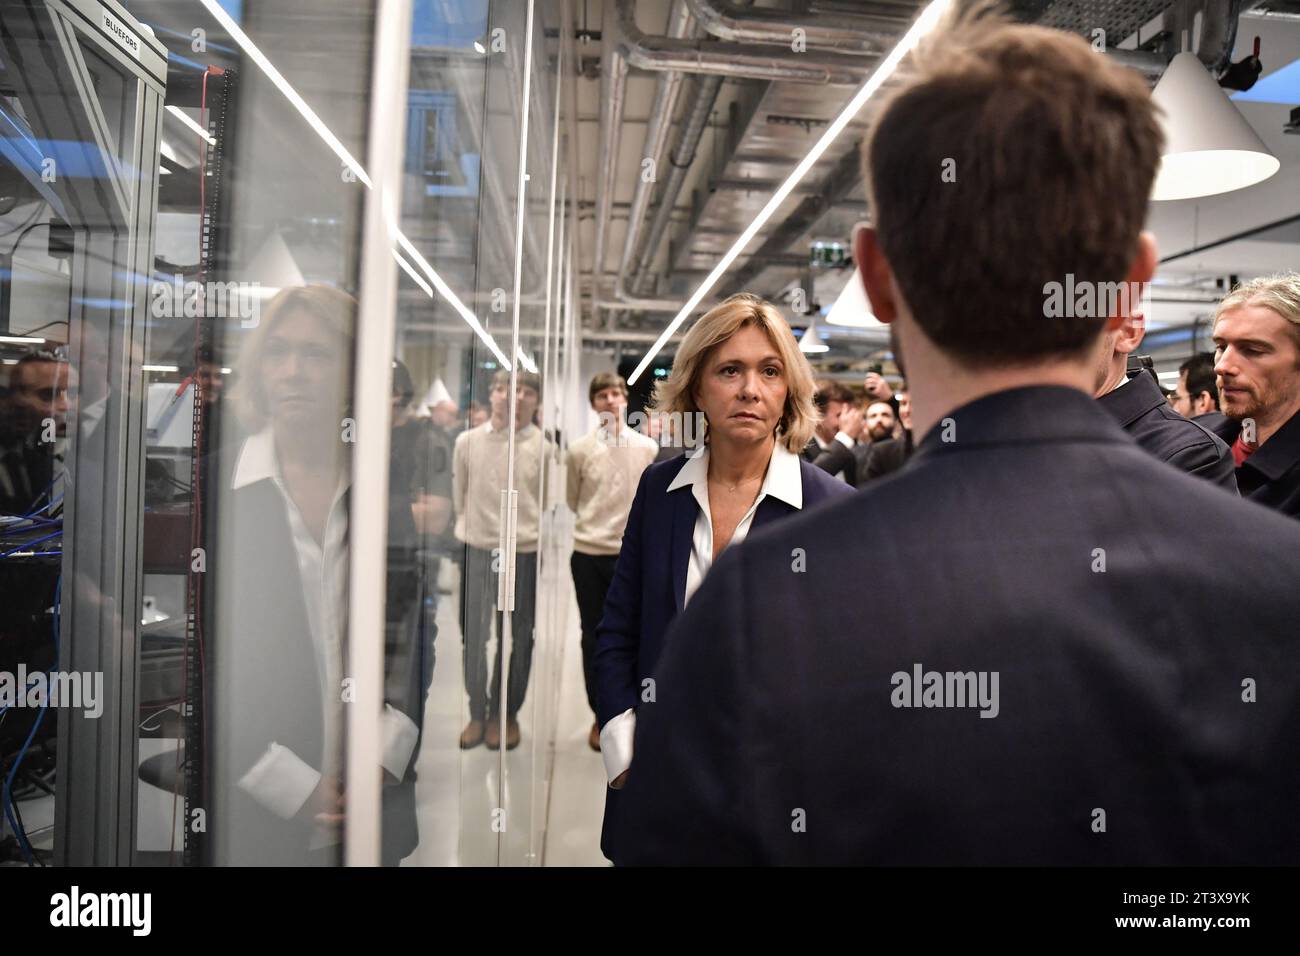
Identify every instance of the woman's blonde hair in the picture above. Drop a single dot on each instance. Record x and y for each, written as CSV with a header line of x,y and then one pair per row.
x,y
677,392
334,309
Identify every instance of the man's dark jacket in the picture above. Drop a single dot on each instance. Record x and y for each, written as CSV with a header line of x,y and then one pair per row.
x,y
1142,411
835,458
1271,475
1148,701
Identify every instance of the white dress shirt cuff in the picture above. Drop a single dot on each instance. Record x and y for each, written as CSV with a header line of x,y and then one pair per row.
x,y
616,743
845,440
400,734
281,781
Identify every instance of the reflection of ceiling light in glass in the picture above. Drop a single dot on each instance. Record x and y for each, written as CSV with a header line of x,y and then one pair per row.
x,y
1209,146
810,343
479,47
852,308
194,127
923,25
327,135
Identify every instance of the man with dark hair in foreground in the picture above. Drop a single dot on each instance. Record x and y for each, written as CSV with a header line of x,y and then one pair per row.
x,y
1052,673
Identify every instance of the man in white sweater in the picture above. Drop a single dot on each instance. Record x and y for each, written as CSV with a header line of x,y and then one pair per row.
x,y
479,465
604,469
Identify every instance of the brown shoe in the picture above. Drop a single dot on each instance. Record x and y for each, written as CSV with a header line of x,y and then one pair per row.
x,y
472,735
493,735
593,738
512,733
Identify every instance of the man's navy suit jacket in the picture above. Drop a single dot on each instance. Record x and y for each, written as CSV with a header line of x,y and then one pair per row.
x,y
649,584
1142,624
1143,411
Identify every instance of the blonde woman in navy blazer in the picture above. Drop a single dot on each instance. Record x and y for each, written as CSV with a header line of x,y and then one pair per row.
x,y
739,369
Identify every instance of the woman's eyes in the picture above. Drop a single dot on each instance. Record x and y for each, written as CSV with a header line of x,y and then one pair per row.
x,y
770,372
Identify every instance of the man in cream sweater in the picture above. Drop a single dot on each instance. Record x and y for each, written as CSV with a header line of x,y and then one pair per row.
x,y
604,469
479,464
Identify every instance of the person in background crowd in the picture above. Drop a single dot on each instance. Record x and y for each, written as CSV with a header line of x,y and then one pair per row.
x,y
831,446
35,409
738,366
1029,545
419,512
1197,394
1257,365
879,390
479,462
1138,404
878,425
890,454
604,468
445,415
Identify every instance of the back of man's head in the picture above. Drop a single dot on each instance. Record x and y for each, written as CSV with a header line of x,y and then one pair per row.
x,y
1199,372
830,391
1006,158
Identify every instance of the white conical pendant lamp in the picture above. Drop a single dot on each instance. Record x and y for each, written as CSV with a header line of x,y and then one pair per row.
x,y
1209,146
810,342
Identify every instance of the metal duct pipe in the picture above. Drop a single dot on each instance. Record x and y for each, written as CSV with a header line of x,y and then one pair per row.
x,y
573,145
845,34
613,82
1150,65
739,61
842,179
697,120
667,92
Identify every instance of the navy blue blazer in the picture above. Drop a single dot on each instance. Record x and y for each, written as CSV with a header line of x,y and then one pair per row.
x,y
1039,543
649,584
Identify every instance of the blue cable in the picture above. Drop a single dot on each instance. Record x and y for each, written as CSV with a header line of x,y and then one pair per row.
x,y
19,832
23,547
34,523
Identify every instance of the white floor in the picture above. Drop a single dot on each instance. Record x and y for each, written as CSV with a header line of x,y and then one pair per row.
x,y
578,779
457,791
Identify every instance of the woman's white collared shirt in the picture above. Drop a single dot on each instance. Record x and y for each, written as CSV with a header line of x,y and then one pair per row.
x,y
784,481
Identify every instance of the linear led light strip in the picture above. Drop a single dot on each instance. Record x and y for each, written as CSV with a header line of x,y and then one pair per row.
x,y
920,28
315,122
184,117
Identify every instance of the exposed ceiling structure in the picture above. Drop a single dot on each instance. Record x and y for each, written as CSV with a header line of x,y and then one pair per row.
x,y
692,112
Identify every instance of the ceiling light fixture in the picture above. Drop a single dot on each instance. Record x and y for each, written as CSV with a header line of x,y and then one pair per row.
x,y
851,308
1209,146
924,24
810,343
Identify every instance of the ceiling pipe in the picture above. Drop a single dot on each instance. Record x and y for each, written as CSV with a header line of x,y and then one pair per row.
x,y
667,93
734,60
841,180
572,145
613,84
688,141
840,33
1150,65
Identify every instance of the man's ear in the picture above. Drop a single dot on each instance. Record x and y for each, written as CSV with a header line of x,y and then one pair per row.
x,y
877,277
1131,332
1145,260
